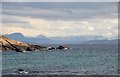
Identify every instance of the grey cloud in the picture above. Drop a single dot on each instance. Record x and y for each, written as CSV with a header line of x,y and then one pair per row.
x,y
58,5
60,1
13,21
79,18
61,10
20,25
42,5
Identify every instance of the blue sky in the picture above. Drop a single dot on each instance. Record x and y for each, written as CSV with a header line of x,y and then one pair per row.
x,y
60,18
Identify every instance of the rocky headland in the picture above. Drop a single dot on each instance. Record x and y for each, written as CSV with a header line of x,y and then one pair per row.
x,y
8,45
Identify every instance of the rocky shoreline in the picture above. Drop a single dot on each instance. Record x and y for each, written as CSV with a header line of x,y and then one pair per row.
x,y
8,45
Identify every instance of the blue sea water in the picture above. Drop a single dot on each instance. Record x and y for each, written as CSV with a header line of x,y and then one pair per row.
x,y
80,60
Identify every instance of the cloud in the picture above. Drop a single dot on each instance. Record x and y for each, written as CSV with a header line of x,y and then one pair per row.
x,y
13,19
62,11
65,28
61,19
61,1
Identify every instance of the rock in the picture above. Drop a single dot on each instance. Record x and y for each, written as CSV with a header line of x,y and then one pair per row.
x,y
61,47
21,71
18,50
8,45
51,48
28,49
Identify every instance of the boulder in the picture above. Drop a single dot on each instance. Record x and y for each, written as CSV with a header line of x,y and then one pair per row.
x,y
60,47
51,48
29,49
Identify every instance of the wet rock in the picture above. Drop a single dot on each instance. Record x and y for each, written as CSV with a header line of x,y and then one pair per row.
x,y
61,47
21,71
29,49
51,48
18,50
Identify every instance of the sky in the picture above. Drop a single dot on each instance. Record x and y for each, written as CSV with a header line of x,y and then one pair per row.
x,y
60,0
60,18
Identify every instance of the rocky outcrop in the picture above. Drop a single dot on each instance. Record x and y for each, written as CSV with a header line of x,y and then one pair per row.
x,y
7,45
60,47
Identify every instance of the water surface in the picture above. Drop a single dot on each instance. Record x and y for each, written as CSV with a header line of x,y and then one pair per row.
x,y
80,60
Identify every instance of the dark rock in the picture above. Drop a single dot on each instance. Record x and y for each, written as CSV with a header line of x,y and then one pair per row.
x,y
18,50
20,70
51,48
28,49
60,47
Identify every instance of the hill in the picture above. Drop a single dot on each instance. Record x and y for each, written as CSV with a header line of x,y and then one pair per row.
x,y
38,40
8,44
42,40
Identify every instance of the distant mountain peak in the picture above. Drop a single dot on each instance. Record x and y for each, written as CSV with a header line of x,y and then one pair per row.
x,y
15,34
20,34
41,39
41,36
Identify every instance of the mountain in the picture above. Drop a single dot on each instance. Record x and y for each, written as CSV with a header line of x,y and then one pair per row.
x,y
20,37
41,39
8,44
16,36
115,41
41,36
76,39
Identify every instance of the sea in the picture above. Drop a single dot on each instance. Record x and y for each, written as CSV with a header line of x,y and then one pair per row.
x,y
79,60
